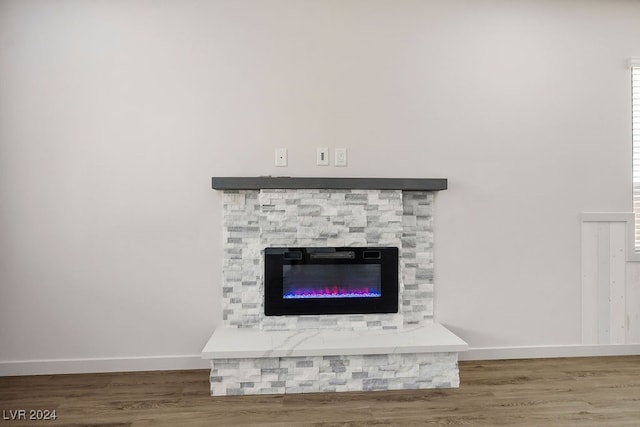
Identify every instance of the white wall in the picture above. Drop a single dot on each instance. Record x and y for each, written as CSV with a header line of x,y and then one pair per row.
x,y
114,115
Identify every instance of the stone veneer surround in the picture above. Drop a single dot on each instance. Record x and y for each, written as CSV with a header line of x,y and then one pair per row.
x,y
370,372
255,219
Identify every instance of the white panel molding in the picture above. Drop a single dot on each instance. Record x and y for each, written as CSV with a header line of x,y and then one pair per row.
x,y
95,365
628,218
542,352
610,280
617,273
632,297
603,278
589,282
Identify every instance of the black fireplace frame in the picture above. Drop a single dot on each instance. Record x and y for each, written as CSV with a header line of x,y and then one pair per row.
x,y
276,258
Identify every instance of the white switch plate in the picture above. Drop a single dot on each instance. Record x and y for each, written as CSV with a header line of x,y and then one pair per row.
x,y
341,157
281,157
322,156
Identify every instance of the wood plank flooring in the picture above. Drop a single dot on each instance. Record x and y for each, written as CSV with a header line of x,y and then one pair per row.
x,y
599,391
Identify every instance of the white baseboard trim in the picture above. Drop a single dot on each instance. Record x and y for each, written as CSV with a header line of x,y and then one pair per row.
x,y
541,352
95,365
173,363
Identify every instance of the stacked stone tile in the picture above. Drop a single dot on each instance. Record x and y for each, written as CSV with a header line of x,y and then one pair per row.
x,y
242,267
333,373
254,220
416,257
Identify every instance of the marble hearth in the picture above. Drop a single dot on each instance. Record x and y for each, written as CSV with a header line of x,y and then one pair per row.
x,y
254,354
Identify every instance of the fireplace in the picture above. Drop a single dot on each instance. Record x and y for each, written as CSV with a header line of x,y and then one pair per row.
x,y
328,280
341,299
325,218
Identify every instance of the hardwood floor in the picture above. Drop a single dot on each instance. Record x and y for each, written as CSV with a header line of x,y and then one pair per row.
x,y
602,391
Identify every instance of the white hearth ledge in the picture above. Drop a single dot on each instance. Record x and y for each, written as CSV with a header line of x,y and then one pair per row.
x,y
231,343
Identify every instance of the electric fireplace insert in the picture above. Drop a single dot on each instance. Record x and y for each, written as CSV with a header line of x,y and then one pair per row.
x,y
349,280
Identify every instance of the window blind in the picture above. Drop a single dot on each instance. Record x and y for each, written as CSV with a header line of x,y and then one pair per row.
x,y
635,113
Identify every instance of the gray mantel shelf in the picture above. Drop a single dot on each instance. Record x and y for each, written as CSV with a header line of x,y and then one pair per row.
x,y
285,182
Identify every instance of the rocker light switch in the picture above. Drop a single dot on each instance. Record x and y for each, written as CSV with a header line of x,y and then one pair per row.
x,y
322,156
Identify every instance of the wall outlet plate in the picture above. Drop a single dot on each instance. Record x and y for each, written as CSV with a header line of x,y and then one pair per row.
x,y
341,157
281,157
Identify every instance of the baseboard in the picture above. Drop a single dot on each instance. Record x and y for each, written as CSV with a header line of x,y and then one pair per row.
x,y
541,352
95,365
172,363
